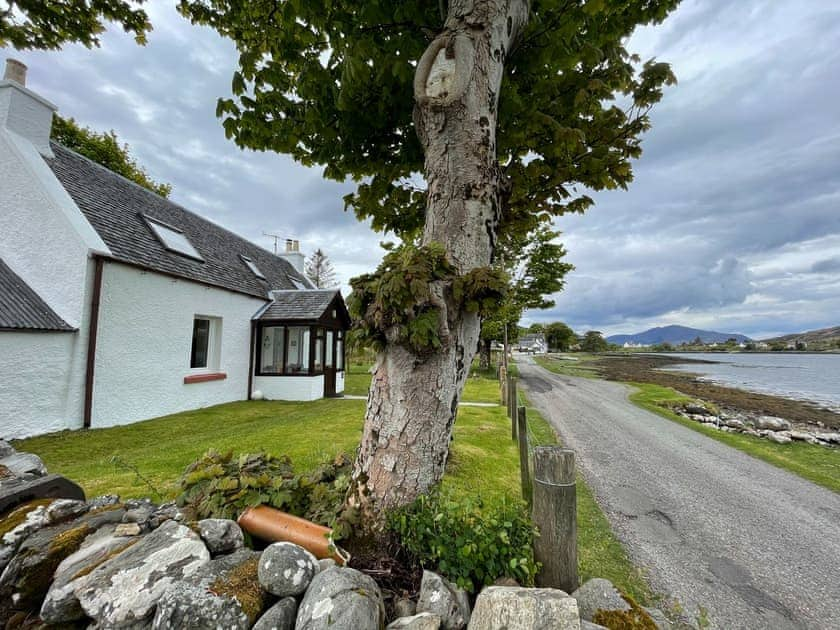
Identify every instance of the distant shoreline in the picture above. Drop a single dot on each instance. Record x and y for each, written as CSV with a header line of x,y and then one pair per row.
x,y
644,368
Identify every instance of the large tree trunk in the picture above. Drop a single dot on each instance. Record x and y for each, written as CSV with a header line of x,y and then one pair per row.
x,y
413,400
484,354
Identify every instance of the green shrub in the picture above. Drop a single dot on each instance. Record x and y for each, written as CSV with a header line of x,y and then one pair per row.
x,y
468,542
224,486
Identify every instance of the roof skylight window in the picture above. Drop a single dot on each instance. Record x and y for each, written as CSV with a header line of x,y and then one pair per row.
x,y
253,267
173,239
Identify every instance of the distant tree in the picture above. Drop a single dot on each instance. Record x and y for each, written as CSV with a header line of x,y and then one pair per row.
x,y
663,347
535,269
104,148
43,25
559,336
320,270
593,341
697,341
536,328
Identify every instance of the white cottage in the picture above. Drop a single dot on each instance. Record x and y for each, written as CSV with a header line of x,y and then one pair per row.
x,y
117,305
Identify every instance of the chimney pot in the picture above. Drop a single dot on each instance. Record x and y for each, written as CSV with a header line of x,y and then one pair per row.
x,y
15,71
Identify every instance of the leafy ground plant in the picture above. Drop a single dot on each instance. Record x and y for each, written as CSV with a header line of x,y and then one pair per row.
x,y
223,486
470,543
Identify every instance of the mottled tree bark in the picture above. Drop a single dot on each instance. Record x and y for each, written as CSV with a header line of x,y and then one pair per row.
x,y
484,354
413,400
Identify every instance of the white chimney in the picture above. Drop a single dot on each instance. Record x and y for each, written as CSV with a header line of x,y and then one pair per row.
x,y
293,255
24,112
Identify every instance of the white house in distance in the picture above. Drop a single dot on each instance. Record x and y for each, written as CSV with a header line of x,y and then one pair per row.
x,y
117,305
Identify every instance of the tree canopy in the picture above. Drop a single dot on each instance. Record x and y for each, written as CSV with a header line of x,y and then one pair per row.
x,y
104,148
559,336
330,83
536,270
593,341
28,24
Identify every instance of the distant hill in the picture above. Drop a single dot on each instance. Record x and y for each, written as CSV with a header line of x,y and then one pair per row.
x,y
812,336
675,335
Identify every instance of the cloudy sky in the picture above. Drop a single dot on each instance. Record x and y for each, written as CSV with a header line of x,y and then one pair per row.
x,y
733,222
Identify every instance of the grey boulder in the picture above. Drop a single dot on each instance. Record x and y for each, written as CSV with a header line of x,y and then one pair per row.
x,y
24,465
659,619
126,589
281,616
222,594
442,598
771,423
588,625
221,535
6,449
341,598
779,438
598,594
420,621
405,607
517,608
287,569
26,579
61,604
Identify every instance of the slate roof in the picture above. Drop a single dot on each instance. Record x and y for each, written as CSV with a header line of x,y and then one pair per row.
x,y
299,305
115,207
23,309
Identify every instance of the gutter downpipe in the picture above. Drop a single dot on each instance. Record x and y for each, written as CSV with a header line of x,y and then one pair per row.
x,y
251,365
92,332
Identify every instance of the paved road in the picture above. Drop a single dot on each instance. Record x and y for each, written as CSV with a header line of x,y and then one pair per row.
x,y
755,545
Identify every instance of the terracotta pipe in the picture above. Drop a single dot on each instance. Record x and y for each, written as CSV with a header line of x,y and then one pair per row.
x,y
271,524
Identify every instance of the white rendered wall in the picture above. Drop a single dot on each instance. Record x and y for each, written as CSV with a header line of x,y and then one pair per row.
x,y
144,344
290,387
41,382
339,382
44,237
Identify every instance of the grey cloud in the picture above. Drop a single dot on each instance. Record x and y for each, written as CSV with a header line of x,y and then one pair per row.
x,y
828,265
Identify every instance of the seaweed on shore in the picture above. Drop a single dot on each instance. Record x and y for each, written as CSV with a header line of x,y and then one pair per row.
x,y
644,368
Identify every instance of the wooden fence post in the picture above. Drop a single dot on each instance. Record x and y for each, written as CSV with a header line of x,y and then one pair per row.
x,y
555,514
503,384
522,422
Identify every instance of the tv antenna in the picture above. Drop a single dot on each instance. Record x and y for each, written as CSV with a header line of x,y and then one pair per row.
x,y
276,238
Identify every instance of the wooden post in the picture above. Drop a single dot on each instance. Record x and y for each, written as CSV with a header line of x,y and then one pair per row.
x,y
503,383
555,514
522,422
512,398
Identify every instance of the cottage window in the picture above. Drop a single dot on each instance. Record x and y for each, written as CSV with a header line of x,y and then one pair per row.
x,y
319,350
271,354
173,239
297,350
206,339
339,350
253,267
200,343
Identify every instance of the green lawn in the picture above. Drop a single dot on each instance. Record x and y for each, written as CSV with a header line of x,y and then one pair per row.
x,y
483,461
815,463
480,387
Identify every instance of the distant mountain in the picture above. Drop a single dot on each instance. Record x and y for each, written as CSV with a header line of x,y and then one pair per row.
x,y
675,335
811,336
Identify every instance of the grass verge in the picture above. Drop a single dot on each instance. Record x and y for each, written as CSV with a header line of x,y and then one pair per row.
x,y
600,554
815,463
579,365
